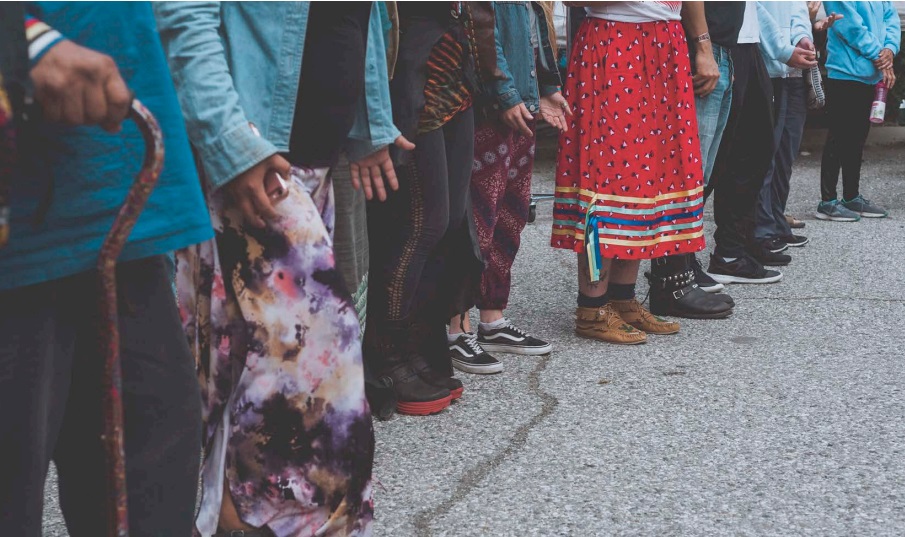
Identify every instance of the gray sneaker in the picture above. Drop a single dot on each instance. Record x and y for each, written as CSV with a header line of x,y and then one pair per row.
x,y
836,212
865,208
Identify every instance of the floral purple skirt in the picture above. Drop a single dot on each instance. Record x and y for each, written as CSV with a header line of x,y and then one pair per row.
x,y
276,338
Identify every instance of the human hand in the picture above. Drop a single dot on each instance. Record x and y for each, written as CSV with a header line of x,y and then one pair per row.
x,y
78,86
884,62
517,118
813,9
824,24
706,74
889,77
369,172
553,110
249,190
806,44
802,59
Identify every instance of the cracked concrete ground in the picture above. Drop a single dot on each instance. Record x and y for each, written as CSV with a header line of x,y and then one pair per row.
x,y
785,419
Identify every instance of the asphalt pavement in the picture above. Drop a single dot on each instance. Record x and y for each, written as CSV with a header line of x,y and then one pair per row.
x,y
785,419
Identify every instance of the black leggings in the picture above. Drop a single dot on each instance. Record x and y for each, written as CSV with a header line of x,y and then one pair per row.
x,y
847,109
333,71
408,232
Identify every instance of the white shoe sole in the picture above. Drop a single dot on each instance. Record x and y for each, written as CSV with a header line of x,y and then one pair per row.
x,y
723,278
713,288
873,215
800,244
821,216
465,367
516,349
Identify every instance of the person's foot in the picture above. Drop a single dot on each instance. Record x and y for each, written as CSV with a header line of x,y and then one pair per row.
x,y
468,356
765,256
865,208
414,395
795,241
794,223
509,338
633,313
835,211
605,324
435,378
775,245
678,295
744,269
704,281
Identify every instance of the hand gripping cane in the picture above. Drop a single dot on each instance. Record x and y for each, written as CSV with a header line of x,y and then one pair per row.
x,y
118,519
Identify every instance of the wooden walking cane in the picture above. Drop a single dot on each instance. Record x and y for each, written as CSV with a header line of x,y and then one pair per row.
x,y
118,517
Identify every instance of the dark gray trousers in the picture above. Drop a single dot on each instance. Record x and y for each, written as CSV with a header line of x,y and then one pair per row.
x,y
51,404
791,109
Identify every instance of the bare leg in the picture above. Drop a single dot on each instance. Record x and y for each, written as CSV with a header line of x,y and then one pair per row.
x,y
585,285
457,323
489,316
625,271
229,517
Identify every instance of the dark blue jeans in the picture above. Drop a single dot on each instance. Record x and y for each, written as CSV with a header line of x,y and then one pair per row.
x,y
51,399
790,103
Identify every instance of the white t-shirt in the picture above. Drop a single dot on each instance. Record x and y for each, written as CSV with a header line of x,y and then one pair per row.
x,y
750,32
637,11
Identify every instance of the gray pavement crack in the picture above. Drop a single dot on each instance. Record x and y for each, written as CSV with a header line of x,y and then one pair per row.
x,y
473,477
850,298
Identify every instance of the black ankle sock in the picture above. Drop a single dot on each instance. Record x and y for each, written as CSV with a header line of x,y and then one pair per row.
x,y
621,291
585,301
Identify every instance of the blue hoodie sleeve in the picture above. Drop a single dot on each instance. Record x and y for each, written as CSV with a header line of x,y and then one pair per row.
x,y
853,31
893,28
772,42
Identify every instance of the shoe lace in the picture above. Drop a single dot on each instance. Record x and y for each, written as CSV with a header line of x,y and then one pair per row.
x,y
515,329
471,341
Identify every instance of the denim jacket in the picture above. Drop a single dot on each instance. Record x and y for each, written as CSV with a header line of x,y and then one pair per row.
x,y
525,79
236,63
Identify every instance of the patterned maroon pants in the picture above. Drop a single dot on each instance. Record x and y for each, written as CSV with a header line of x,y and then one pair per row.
x,y
501,195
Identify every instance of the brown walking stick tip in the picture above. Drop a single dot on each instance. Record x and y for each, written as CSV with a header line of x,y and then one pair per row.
x,y
118,518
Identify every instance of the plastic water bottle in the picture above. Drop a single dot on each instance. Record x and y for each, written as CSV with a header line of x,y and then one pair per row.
x,y
878,109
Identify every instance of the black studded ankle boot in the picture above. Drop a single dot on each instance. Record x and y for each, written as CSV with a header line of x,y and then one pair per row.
x,y
673,291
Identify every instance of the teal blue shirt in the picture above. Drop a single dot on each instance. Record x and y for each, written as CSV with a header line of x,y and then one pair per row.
x,y
90,170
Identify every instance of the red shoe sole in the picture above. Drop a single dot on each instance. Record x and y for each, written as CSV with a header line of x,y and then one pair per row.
x,y
425,408
457,393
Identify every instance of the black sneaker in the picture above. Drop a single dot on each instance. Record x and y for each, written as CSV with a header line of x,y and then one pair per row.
x,y
775,246
769,258
795,241
743,270
468,356
514,340
704,281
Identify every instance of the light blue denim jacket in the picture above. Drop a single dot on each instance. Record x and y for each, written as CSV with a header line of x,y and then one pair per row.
x,y
526,79
236,63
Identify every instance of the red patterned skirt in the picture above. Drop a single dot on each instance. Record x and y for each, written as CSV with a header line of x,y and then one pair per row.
x,y
629,179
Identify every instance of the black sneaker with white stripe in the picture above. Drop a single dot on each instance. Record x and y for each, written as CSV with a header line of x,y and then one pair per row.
x,y
468,356
514,340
